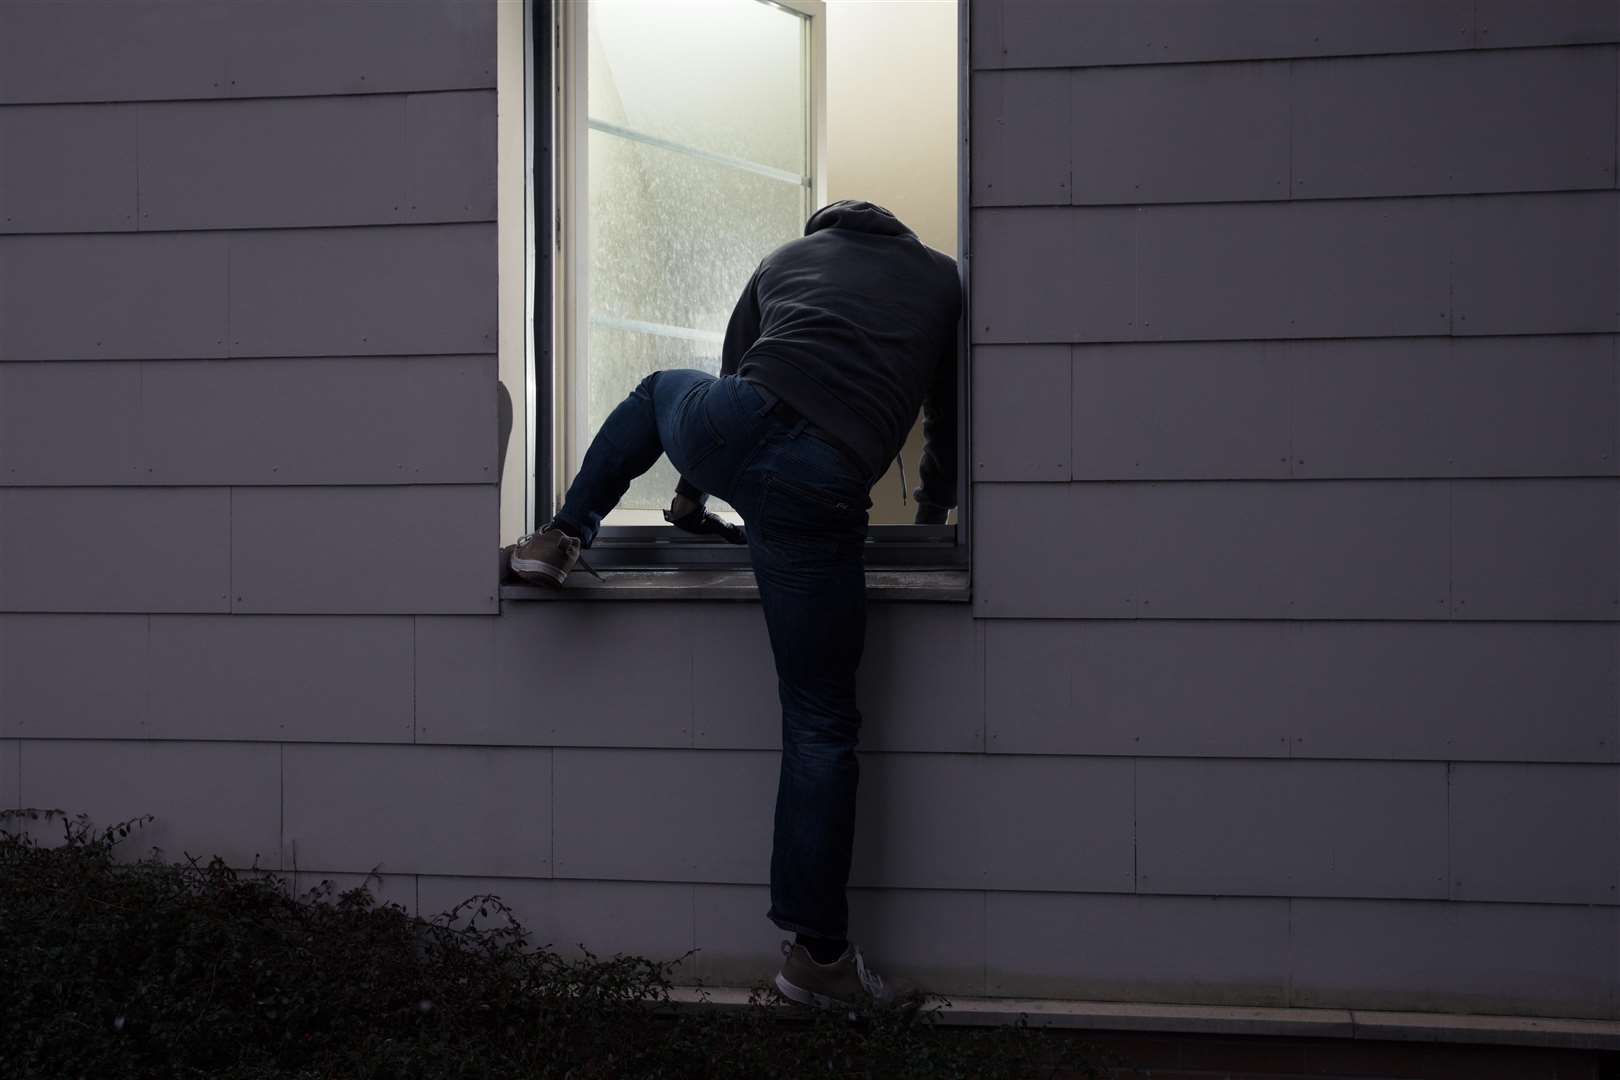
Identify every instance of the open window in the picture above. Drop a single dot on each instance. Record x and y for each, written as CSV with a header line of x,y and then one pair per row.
x,y
674,145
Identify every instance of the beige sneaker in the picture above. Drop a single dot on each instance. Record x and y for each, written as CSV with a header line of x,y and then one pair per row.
x,y
545,557
845,983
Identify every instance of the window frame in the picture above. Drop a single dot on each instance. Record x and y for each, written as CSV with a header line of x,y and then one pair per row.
x,y
555,180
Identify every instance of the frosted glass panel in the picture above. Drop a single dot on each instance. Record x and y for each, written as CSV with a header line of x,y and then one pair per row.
x,y
726,76
673,238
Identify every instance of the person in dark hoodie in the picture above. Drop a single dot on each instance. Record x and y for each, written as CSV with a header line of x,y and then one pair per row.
x,y
839,338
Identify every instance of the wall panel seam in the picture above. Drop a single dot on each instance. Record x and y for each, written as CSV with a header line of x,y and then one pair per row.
x,y
1103,207
1295,56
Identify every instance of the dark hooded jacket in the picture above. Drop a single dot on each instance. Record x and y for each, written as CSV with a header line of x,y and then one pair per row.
x,y
854,324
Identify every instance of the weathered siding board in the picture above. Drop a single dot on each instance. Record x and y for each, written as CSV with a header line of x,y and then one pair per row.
x,y
1021,426
154,49
1064,33
316,47
1513,959
452,155
1302,129
1137,687
1021,138
43,689
1544,549
934,935
1540,833
1061,823
1250,549
384,158
663,815
1049,274
548,675
1542,263
418,809
71,423
114,549
113,296
1499,23
1396,408
338,420
1498,406
66,168
363,550
1533,264
208,798
695,816
539,676
331,420
1509,120
83,50
205,677
964,821
1184,411
1214,950
1202,133
1290,270
280,677
1295,828
1465,691
365,291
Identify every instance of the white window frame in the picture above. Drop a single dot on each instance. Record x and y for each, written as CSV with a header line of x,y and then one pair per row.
x,y
554,306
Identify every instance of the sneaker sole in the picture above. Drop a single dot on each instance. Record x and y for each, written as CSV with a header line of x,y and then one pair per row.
x,y
809,997
541,573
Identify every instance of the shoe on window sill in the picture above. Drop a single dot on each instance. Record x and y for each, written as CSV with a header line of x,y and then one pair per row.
x,y
544,557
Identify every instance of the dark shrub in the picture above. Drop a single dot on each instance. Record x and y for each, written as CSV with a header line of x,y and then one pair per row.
x,y
112,969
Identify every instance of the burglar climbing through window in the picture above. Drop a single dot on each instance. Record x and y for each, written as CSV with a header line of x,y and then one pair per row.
x,y
838,339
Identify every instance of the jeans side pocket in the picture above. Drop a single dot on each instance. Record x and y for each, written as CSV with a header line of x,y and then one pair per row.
x,y
807,524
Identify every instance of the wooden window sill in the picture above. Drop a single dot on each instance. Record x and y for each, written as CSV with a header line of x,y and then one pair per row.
x,y
949,586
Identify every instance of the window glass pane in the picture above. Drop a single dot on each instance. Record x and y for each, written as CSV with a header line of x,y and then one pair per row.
x,y
673,238
726,76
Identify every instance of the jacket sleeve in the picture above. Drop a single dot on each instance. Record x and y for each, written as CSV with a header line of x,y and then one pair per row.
x,y
743,329
741,333
936,489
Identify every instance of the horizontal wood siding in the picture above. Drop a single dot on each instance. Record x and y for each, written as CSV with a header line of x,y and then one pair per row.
x,y
247,307
1296,478
139,50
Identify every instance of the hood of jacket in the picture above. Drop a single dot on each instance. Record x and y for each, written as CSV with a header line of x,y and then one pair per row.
x,y
858,215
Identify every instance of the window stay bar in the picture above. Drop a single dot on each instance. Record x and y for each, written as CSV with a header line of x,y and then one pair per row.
x,y
768,171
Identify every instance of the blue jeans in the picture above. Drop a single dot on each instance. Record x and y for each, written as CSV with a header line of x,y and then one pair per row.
x,y
805,507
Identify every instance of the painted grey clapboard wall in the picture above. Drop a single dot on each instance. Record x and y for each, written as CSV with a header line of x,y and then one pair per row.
x,y
1295,443
1292,674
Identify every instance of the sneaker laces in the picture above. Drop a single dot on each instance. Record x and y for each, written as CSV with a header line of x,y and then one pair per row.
x,y
871,980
